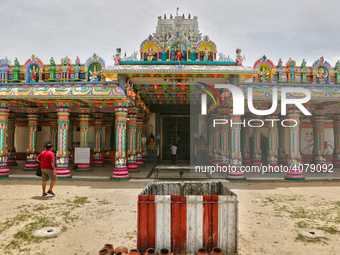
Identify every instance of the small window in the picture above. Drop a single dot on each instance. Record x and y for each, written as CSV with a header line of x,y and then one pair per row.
x,y
39,128
77,129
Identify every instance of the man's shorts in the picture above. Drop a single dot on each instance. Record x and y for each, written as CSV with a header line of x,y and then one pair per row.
x,y
48,174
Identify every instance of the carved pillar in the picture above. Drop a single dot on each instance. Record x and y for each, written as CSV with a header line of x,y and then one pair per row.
x,y
54,131
257,155
319,123
120,171
211,138
63,170
245,143
84,120
108,131
139,157
70,140
10,147
224,137
282,152
216,141
4,112
97,154
31,163
144,130
235,172
273,141
336,151
132,140
294,157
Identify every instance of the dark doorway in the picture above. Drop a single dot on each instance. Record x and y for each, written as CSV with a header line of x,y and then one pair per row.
x,y
175,130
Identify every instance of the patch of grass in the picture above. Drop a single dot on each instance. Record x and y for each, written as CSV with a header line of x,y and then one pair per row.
x,y
14,244
40,207
9,222
270,200
103,202
306,239
330,230
301,224
77,201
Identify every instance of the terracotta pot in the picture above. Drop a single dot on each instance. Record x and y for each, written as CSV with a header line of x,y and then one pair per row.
x,y
216,251
110,248
164,252
134,252
121,253
122,249
202,251
150,251
104,252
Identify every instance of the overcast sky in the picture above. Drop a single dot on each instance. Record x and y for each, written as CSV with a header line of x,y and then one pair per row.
x,y
279,29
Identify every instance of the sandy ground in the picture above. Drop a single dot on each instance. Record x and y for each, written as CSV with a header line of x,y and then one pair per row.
x,y
271,216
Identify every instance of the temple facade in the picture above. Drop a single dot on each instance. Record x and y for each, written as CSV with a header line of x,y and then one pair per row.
x,y
131,111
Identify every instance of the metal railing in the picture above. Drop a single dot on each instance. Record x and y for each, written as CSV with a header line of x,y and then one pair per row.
x,y
152,152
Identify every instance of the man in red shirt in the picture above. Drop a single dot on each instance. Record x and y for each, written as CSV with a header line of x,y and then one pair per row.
x,y
46,158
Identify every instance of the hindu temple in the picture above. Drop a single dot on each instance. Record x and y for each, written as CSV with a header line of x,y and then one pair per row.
x,y
129,110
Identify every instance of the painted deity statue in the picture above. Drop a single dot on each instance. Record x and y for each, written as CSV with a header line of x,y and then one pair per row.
x,y
206,54
337,65
129,90
33,74
150,54
16,62
94,74
239,58
303,64
322,75
179,52
52,62
117,57
263,74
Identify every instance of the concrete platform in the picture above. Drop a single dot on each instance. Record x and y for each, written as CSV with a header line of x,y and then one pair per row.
x,y
164,172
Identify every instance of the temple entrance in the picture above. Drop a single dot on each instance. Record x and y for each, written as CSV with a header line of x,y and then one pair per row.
x,y
175,129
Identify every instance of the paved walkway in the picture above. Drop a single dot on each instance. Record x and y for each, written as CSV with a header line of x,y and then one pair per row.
x,y
164,172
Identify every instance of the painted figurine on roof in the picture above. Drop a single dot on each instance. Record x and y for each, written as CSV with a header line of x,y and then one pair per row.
x,y
239,58
16,62
94,74
322,75
33,74
263,74
151,53
117,57
179,52
206,54
303,64
337,65
52,62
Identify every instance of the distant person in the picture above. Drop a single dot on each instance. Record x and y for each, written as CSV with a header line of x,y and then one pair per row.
x,y
48,170
173,154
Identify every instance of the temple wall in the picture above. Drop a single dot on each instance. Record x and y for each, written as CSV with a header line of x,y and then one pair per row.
x,y
151,121
202,126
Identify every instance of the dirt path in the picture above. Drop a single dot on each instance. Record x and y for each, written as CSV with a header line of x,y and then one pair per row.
x,y
271,216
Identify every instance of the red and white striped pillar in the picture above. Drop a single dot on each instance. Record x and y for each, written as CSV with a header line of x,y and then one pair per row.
x,y
185,224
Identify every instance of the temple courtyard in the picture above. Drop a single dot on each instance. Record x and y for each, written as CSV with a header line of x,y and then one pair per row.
x,y
275,217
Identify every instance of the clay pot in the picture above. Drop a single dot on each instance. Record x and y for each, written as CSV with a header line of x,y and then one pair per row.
x,y
103,252
150,251
121,253
134,252
164,252
202,251
110,248
121,249
216,251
